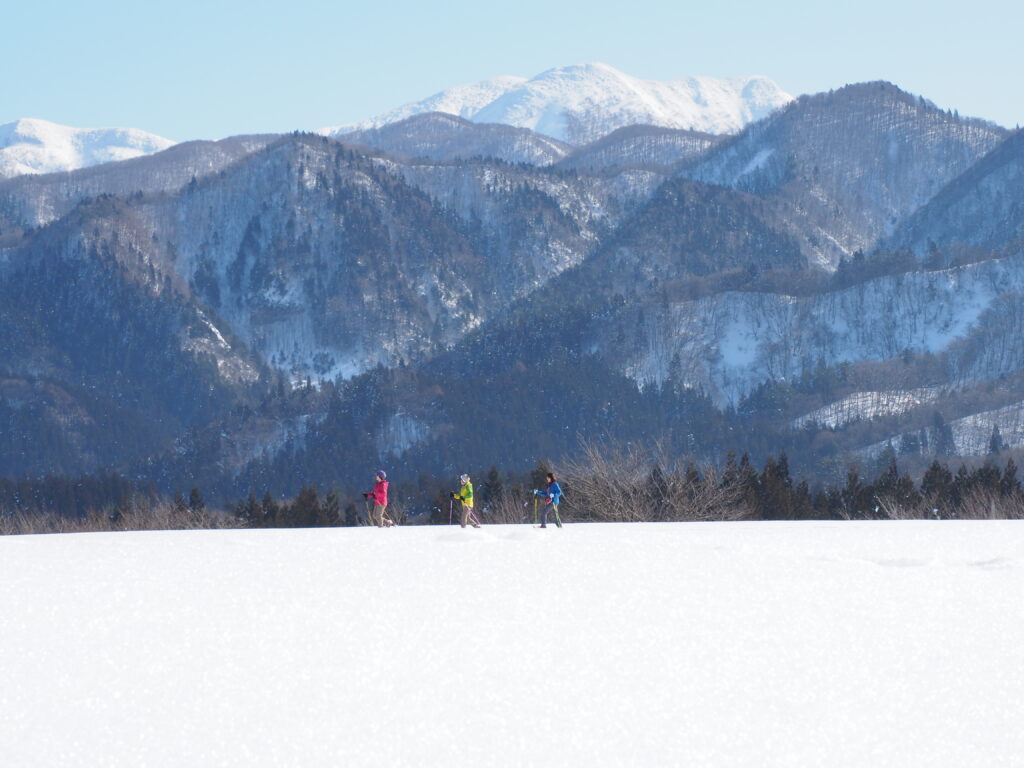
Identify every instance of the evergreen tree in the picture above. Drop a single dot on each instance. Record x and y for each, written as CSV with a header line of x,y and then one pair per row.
x,y
304,511
747,480
657,491
942,436
330,510
888,478
180,507
351,515
856,496
493,488
251,512
995,443
961,486
937,483
539,475
1009,485
886,460
270,509
775,500
195,501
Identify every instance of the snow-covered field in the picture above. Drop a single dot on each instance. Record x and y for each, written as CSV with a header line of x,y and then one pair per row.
x,y
721,644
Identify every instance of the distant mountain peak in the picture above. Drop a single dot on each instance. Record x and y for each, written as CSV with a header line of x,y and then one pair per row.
x,y
30,145
580,103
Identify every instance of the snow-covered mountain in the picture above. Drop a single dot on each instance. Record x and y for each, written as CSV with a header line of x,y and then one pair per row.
x,y
423,268
851,164
579,104
39,146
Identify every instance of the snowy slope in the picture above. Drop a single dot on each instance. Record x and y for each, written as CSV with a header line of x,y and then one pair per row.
x,y
578,104
730,342
722,644
862,406
39,146
971,434
850,164
981,208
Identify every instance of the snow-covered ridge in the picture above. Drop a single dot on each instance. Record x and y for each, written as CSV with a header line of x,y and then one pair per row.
x,y
462,100
867,405
39,146
578,104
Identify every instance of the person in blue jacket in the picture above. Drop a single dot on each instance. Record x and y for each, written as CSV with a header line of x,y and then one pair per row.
x,y
553,495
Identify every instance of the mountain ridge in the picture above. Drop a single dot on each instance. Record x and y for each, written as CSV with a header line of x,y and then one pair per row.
x,y
580,103
265,311
31,145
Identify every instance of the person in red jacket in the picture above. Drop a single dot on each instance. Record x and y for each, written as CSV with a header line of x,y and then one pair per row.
x,y
380,500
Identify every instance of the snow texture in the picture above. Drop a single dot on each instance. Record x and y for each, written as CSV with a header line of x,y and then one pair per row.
x,y
972,435
863,406
578,104
729,343
39,146
737,644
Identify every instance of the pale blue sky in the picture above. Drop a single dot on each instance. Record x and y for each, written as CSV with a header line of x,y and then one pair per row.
x,y
207,69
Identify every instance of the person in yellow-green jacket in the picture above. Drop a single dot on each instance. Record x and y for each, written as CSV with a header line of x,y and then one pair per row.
x,y
465,496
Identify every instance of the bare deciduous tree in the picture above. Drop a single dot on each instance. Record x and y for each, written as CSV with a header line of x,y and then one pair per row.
x,y
632,484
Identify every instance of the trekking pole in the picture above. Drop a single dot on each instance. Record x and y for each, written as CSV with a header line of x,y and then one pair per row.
x,y
451,506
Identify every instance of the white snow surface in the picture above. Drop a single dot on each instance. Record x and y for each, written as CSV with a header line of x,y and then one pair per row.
x,y
578,104
39,146
713,644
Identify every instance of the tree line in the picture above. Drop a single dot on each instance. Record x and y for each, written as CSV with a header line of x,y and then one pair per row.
x,y
601,484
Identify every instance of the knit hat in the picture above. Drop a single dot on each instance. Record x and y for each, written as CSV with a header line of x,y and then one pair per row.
x,y
382,474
